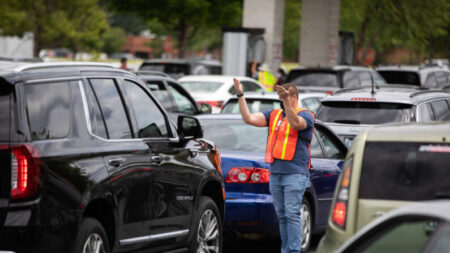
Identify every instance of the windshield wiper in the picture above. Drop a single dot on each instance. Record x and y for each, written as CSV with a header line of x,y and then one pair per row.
x,y
347,121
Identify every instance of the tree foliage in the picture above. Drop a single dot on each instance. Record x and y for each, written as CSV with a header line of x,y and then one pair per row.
x,y
384,24
76,25
184,17
113,39
291,33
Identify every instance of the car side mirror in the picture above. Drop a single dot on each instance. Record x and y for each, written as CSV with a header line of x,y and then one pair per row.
x,y
189,127
205,108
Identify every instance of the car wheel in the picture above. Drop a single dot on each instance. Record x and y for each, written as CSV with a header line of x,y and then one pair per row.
x,y
306,217
91,238
208,228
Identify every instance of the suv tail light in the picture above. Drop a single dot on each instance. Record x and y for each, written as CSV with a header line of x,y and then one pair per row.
x,y
24,173
340,209
247,175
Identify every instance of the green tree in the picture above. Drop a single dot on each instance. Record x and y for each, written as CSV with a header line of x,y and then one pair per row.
x,y
291,32
184,17
388,23
76,25
113,39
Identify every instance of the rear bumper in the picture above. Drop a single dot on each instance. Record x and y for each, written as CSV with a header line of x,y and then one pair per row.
x,y
252,213
30,228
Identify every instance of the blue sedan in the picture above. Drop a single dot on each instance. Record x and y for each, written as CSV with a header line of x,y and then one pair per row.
x,y
248,202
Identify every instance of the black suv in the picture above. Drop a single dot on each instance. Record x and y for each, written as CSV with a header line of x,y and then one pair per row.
x,y
91,162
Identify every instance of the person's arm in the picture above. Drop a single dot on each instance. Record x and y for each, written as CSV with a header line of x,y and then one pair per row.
x,y
255,119
253,68
296,122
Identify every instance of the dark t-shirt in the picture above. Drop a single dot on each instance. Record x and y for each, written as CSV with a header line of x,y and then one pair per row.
x,y
299,164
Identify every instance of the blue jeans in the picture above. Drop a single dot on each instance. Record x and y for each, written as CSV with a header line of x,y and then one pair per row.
x,y
287,192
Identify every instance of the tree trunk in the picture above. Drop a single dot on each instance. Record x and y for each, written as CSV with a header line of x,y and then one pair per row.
x,y
182,37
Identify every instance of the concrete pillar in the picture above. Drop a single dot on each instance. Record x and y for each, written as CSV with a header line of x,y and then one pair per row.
x,y
269,15
319,32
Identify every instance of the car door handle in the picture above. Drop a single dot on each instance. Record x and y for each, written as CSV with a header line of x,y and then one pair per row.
x,y
156,159
116,162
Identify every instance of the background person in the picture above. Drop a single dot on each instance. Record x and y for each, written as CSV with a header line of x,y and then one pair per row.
x,y
263,75
288,152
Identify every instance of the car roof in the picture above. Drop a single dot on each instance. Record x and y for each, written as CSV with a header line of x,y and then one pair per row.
x,y
49,70
407,68
274,95
332,68
176,61
436,131
405,94
214,78
235,116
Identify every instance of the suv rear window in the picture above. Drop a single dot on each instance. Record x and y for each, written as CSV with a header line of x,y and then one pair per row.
x,y
48,110
5,91
371,113
405,171
400,77
316,79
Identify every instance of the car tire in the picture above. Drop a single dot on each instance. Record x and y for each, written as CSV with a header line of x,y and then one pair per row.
x,y
91,237
306,217
207,228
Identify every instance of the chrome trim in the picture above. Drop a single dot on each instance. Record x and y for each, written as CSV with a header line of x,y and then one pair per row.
x,y
325,199
85,106
70,78
61,64
150,238
28,203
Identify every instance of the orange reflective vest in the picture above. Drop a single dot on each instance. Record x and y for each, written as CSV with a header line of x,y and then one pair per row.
x,y
282,139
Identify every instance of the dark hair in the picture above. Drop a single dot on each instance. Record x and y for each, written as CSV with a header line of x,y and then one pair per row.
x,y
293,89
123,59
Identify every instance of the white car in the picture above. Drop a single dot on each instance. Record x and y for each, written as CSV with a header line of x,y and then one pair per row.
x,y
270,101
216,90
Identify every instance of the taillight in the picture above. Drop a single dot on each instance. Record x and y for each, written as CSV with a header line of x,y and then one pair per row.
x,y
340,209
217,160
24,172
212,103
247,175
329,93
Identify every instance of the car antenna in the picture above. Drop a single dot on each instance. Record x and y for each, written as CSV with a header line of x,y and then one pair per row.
x,y
373,84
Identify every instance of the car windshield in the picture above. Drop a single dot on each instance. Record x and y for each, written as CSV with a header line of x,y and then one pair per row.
x,y
405,171
370,113
400,77
254,105
166,67
235,135
319,79
199,86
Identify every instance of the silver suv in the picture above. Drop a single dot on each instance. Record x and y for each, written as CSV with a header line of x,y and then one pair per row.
x,y
433,77
348,111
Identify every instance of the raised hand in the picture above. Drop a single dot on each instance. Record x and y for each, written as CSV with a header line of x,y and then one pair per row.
x,y
237,86
282,92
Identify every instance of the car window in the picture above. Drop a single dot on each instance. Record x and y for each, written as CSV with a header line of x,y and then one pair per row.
x,y
316,150
409,171
150,120
254,105
409,235
440,109
440,242
363,112
200,86
378,78
425,113
162,94
311,103
430,82
170,68
356,78
441,79
248,86
95,115
319,79
112,108
182,103
235,135
5,107
48,109
330,145
400,77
